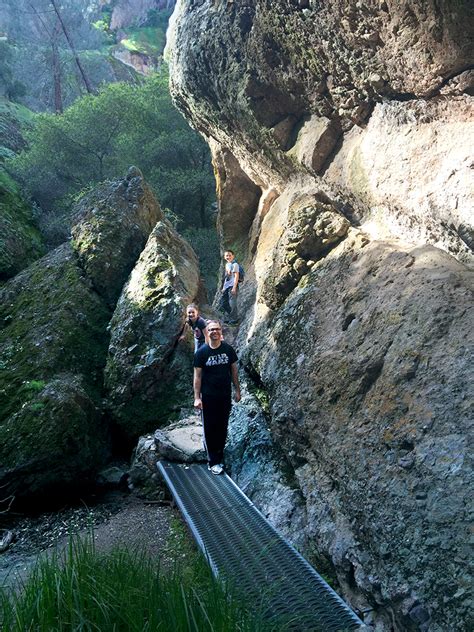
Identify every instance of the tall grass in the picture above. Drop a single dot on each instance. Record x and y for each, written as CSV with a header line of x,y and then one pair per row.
x,y
82,590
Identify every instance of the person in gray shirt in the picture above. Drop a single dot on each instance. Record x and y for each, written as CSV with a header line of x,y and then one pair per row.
x,y
230,288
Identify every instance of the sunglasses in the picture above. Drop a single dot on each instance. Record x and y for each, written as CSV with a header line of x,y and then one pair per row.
x,y
214,329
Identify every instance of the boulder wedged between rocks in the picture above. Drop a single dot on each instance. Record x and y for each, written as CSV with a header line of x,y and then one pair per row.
x,y
57,321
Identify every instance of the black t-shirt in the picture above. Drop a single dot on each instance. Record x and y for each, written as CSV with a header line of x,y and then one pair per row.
x,y
215,365
198,329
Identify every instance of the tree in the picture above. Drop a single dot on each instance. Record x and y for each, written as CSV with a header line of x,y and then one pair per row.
x,y
65,30
51,38
99,136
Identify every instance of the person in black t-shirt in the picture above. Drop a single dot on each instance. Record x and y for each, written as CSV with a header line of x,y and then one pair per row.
x,y
215,370
198,326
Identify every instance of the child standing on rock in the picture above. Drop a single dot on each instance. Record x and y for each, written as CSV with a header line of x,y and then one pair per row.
x,y
197,325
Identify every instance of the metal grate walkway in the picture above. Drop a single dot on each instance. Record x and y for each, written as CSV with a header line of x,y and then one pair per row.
x,y
242,547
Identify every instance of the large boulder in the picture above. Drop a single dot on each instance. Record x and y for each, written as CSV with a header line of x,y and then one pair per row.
x,y
53,346
289,86
353,119
181,441
53,339
149,373
367,366
112,224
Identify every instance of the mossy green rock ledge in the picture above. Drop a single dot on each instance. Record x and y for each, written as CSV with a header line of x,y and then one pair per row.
x,y
53,343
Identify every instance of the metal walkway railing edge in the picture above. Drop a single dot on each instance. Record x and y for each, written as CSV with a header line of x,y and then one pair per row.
x,y
161,465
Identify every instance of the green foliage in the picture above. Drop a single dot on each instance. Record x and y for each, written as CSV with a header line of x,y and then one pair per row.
x,y
124,590
101,25
14,120
99,136
148,40
34,385
12,88
22,114
158,18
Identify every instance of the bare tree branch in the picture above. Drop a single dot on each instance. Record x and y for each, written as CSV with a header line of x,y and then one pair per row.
x,y
71,46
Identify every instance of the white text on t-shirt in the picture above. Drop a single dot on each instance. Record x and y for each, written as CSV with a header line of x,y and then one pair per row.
x,y
220,358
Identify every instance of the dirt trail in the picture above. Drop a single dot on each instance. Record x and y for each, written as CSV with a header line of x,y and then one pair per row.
x,y
118,519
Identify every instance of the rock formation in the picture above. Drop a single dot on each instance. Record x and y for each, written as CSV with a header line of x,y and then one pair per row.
x,y
181,442
20,240
131,12
53,348
148,371
113,224
54,320
354,121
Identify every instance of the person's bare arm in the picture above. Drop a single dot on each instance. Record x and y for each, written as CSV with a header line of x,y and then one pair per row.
x,y
184,332
197,387
234,371
236,282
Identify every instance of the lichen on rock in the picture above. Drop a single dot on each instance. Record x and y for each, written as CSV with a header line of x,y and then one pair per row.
x,y
53,351
53,340
355,122
111,226
148,373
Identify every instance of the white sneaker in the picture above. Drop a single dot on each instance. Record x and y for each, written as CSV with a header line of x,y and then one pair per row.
x,y
217,469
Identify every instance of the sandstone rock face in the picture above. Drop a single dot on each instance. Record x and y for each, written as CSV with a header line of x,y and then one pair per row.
x,y
130,12
112,227
143,64
411,169
239,196
283,73
148,372
355,121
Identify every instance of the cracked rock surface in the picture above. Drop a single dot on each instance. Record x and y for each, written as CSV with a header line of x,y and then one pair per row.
x,y
354,120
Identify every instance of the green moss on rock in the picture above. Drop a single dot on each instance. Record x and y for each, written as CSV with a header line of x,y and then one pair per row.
x,y
148,373
113,224
20,240
53,344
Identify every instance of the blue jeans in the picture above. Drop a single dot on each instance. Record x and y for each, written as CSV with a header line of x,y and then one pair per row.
x,y
229,303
